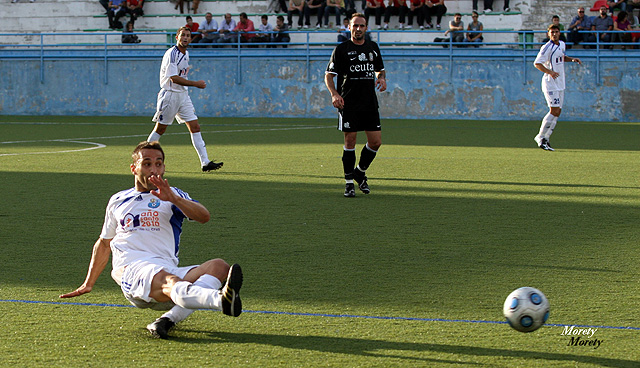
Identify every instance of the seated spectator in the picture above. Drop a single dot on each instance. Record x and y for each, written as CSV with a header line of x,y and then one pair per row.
x,y
416,8
602,23
245,28
209,29
617,4
104,3
226,30
134,9
631,5
621,24
555,20
128,36
475,30
375,7
488,6
395,7
345,32
281,35
193,26
437,8
580,22
117,9
336,7
265,30
315,7
456,28
180,4
295,6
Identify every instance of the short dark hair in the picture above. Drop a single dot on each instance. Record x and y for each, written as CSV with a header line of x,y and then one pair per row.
x,y
243,15
146,145
264,16
359,15
552,26
280,17
189,17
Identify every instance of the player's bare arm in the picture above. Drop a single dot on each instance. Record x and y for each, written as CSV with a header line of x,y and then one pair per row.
x,y
336,99
569,59
99,260
189,83
381,81
543,69
191,209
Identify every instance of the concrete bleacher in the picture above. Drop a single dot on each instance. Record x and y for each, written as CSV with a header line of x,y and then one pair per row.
x,y
160,15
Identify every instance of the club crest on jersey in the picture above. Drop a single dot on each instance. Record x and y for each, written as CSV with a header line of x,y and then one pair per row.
x,y
154,203
362,57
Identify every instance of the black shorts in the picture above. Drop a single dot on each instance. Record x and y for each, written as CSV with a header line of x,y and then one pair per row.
x,y
357,121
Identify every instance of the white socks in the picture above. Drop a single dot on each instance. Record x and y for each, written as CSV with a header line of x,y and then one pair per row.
x,y
546,128
198,144
202,294
153,137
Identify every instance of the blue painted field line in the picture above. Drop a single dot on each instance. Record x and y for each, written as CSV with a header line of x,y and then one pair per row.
x,y
331,315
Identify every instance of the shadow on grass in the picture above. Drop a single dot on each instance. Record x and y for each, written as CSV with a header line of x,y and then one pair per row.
x,y
384,349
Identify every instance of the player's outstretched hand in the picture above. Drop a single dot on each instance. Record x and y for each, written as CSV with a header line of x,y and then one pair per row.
x,y
164,191
77,292
201,84
381,84
576,60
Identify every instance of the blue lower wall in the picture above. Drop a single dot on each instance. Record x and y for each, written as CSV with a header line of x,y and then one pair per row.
x,y
425,89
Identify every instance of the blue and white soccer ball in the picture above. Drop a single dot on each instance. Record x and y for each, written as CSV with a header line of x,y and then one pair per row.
x,y
526,309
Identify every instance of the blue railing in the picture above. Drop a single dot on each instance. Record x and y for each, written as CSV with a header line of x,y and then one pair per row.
x,y
305,45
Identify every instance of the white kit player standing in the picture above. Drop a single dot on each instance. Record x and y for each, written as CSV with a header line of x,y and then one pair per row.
x,y
174,101
550,61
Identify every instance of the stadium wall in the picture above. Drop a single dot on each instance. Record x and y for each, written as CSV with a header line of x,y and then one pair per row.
x,y
425,89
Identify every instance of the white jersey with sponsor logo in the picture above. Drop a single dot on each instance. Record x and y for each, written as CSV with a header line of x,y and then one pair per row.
x,y
174,62
142,227
552,57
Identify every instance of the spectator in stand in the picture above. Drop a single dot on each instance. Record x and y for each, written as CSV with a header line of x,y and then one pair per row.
x,y
488,6
631,5
195,5
437,8
456,28
395,7
336,7
617,4
375,7
416,8
475,29
345,32
226,27
193,27
265,30
579,23
104,3
315,7
602,23
622,24
134,9
245,28
281,35
128,36
296,6
555,20
117,9
209,30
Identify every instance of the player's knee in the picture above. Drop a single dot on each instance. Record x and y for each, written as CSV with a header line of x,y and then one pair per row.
x,y
217,268
374,145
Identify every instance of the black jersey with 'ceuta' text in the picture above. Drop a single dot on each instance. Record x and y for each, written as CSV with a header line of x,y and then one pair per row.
x,y
356,67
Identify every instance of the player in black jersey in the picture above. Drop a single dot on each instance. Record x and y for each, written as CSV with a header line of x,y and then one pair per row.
x,y
358,65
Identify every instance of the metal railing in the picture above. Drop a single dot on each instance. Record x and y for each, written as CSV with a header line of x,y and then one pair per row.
x,y
304,45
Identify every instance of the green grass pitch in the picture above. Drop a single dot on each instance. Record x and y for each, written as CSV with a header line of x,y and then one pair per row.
x,y
461,213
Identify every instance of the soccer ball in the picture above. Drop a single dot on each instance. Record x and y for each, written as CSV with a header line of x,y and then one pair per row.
x,y
526,309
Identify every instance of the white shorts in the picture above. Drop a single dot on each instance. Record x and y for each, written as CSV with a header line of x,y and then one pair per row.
x,y
136,283
176,105
554,98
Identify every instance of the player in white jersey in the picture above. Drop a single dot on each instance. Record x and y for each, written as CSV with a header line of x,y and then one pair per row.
x,y
174,101
550,61
141,230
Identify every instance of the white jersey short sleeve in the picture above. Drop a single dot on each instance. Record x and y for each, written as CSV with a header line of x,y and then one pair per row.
x,y
174,63
552,57
142,227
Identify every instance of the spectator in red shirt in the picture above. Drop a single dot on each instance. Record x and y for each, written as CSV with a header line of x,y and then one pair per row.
x,y
245,25
193,26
